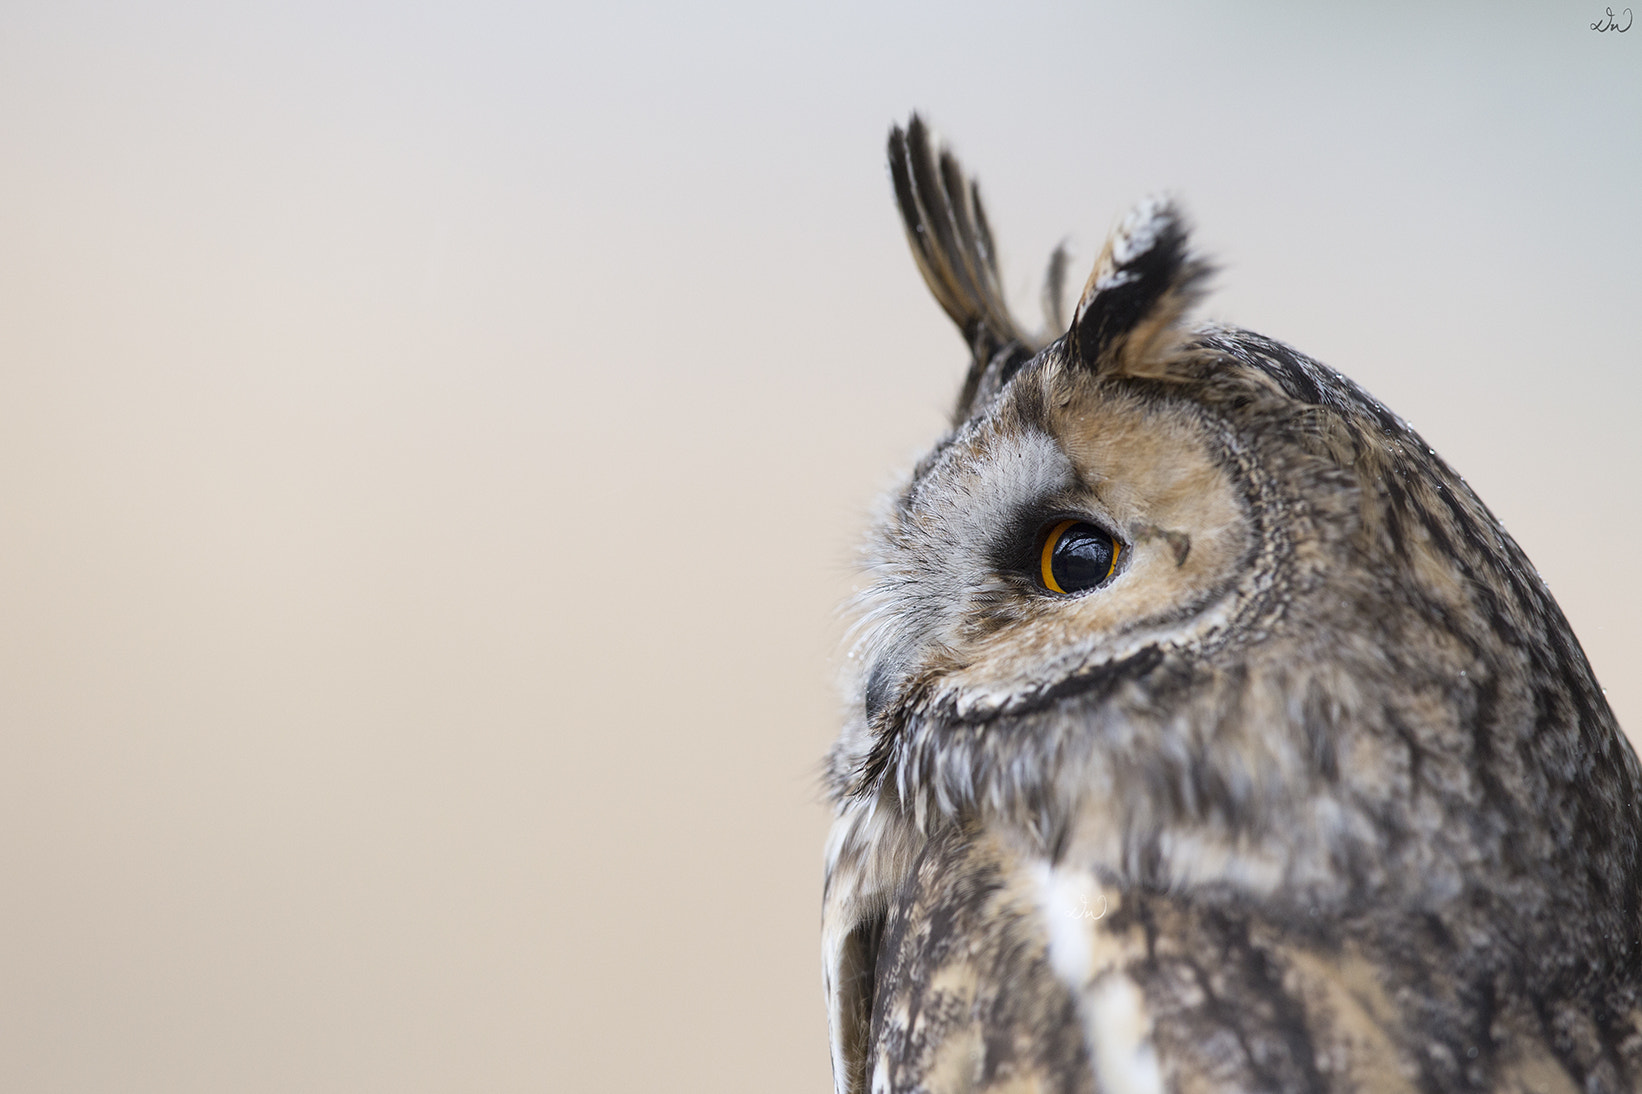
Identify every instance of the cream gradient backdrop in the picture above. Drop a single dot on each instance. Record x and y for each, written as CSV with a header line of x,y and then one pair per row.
x,y
432,439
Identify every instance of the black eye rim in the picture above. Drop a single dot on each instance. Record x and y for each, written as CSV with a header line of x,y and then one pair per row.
x,y
1052,531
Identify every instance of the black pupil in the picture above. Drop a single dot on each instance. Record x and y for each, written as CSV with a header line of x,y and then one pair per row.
x,y
1082,557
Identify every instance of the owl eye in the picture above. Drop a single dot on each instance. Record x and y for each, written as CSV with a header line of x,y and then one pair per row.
x,y
1077,556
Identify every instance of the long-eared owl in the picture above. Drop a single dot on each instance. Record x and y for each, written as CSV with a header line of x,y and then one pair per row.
x,y
1207,732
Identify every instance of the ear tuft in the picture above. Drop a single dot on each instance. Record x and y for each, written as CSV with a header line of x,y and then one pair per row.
x,y
1142,287
951,241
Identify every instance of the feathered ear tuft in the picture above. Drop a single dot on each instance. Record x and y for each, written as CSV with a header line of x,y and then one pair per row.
x,y
952,243
1144,283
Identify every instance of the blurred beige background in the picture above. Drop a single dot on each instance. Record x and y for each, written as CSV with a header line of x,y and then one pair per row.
x,y
433,437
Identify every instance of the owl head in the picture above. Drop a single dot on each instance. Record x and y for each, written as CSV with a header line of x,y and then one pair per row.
x,y
1189,607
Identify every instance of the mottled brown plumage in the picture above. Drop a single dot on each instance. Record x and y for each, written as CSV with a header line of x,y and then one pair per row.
x,y
1316,792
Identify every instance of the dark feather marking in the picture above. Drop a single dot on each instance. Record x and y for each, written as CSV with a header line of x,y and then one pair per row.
x,y
1054,290
1290,1016
1483,765
1009,361
1416,754
1229,1018
1484,1013
1094,683
1134,289
879,684
1318,721
951,241
860,967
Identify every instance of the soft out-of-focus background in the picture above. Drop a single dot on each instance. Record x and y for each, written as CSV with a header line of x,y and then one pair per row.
x,y
433,436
